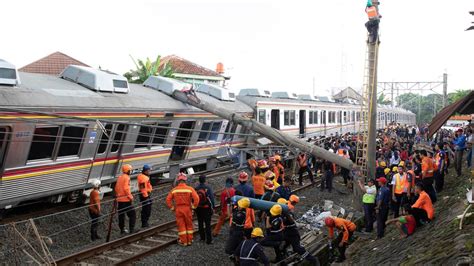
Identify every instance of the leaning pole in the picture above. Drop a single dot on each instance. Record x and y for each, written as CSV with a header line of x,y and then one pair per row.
x,y
267,131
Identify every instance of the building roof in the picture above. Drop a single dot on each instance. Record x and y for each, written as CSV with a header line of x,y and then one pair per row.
x,y
52,64
462,106
184,66
347,93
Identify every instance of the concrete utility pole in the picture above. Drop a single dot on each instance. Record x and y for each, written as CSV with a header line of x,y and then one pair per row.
x,y
445,89
267,131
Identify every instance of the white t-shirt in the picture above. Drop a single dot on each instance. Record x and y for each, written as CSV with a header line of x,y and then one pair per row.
x,y
371,190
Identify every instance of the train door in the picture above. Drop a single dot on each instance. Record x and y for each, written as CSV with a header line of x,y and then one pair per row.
x,y
110,148
275,119
323,121
182,141
302,123
4,137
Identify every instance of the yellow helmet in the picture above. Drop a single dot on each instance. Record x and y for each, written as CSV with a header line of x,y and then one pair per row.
x,y
401,164
257,232
383,164
282,201
386,171
395,169
244,203
276,210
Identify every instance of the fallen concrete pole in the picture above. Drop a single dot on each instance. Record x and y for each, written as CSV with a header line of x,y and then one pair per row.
x,y
267,131
261,205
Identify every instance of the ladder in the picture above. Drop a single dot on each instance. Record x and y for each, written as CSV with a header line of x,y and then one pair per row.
x,y
371,57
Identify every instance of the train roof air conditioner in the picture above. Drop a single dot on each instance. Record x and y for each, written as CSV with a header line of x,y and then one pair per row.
x,y
96,79
8,74
284,95
217,92
307,97
166,85
255,92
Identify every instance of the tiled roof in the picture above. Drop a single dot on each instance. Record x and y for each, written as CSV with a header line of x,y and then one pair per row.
x,y
347,93
183,66
460,117
52,64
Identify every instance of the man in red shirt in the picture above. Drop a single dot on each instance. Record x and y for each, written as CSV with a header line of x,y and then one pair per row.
x,y
405,224
226,196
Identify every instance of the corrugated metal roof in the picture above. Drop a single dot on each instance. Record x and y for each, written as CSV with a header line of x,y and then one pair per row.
x,y
462,106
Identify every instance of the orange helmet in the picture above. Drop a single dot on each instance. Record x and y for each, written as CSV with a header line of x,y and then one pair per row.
x,y
182,177
126,168
262,164
294,198
243,176
277,157
329,221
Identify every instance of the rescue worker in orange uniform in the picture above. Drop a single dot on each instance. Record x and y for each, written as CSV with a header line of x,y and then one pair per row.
x,y
124,198
185,201
274,168
422,210
145,188
346,228
427,173
258,180
281,169
400,190
252,165
226,207
94,209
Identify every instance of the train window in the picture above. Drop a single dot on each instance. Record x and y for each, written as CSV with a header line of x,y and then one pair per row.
x,y
144,136
289,118
3,145
310,117
118,138
161,133
44,140
71,141
332,117
262,115
104,139
216,126
204,131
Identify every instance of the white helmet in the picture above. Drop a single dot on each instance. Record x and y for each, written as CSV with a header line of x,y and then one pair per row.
x,y
96,183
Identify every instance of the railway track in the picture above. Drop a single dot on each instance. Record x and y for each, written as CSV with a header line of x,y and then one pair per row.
x,y
131,248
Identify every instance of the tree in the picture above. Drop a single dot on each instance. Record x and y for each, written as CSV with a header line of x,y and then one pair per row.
x,y
381,100
147,68
457,95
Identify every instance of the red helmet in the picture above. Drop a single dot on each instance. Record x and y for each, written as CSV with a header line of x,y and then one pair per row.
x,y
262,164
243,176
329,221
182,177
269,185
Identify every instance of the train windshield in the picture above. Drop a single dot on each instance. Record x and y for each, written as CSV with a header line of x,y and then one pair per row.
x,y
7,73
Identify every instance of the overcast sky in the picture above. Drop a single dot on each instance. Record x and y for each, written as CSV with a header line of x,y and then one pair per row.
x,y
271,44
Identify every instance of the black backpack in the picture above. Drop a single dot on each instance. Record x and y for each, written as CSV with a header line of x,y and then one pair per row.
x,y
204,201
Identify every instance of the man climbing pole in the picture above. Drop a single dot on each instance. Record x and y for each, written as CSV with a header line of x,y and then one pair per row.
x,y
372,25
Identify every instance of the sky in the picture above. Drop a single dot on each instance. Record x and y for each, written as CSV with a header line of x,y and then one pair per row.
x,y
298,46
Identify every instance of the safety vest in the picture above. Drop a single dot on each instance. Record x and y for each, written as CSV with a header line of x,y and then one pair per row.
x,y
401,183
368,198
372,13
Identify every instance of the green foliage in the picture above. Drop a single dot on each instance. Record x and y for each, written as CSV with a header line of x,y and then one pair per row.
x,y
147,68
425,107
381,100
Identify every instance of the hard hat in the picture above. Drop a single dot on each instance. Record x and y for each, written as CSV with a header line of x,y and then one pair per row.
x,y
401,164
272,159
277,157
243,203
329,221
276,210
269,175
146,167
126,168
383,164
96,183
294,198
269,185
181,177
282,201
262,164
382,180
395,169
386,171
257,232
243,176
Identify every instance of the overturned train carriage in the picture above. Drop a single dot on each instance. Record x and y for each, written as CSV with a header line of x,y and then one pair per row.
x,y
59,133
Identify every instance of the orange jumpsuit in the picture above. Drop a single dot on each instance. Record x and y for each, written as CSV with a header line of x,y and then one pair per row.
x,y
281,171
343,225
253,165
185,200
258,182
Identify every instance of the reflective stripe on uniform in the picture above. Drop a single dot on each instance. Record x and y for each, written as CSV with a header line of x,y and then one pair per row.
x,y
250,252
181,191
181,233
190,232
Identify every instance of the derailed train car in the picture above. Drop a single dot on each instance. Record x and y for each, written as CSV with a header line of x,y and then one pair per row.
x,y
57,134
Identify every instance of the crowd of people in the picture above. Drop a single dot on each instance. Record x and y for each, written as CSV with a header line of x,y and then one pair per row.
x,y
410,172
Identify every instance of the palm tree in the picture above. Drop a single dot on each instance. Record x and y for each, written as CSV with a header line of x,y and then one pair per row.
x,y
147,68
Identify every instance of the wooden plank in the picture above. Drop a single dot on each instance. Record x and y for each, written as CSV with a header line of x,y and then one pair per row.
x,y
140,246
125,251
